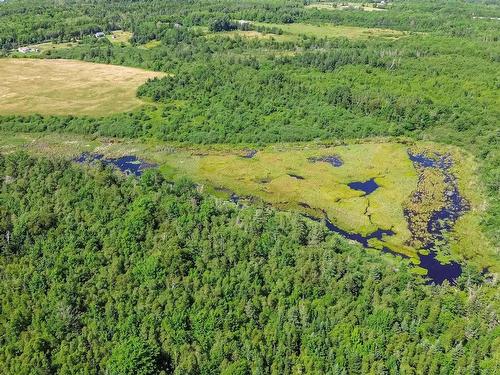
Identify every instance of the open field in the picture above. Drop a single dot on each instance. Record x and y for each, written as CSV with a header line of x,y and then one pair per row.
x,y
286,177
66,87
252,34
333,31
345,6
115,37
119,36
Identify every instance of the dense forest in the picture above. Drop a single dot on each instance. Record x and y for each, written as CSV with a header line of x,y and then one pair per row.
x,y
107,274
102,273
24,21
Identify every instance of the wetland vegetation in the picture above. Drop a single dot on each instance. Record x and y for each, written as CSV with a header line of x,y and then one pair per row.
x,y
290,177
307,187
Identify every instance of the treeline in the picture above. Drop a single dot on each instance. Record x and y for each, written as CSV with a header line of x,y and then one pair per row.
x,y
247,100
107,274
27,22
453,18
178,47
132,125
239,102
247,96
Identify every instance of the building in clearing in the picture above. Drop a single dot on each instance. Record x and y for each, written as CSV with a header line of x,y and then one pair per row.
x,y
243,22
27,49
99,34
244,25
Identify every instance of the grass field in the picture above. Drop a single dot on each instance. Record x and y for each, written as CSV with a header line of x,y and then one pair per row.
x,y
345,6
65,87
119,37
333,31
251,34
268,177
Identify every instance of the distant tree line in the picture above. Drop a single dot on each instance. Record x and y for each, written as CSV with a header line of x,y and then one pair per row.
x,y
28,22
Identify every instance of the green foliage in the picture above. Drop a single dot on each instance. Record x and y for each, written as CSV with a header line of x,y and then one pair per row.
x,y
132,357
439,83
222,24
101,273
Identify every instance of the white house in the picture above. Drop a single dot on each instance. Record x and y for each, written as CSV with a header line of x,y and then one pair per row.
x,y
27,49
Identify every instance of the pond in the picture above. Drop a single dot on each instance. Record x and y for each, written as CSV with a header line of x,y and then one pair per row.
x,y
363,240
129,164
367,187
437,273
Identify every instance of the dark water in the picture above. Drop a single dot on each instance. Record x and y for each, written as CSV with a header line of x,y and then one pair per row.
x,y
363,240
443,220
130,165
296,176
333,160
437,272
88,158
367,186
438,161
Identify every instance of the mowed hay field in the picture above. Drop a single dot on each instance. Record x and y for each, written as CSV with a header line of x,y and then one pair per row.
x,y
66,87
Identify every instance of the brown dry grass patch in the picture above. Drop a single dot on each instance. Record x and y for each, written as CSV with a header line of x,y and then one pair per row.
x,y
64,87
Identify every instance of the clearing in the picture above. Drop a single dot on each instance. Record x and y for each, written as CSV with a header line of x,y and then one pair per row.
x,y
345,6
67,87
334,31
119,37
46,47
252,34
